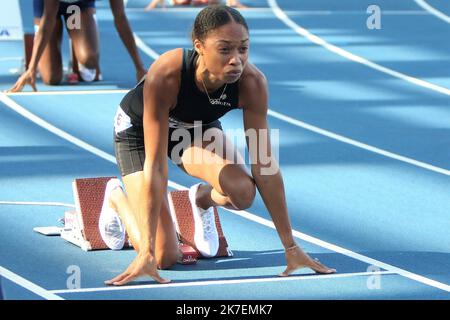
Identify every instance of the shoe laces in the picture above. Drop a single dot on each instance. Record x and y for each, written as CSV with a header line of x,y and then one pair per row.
x,y
208,221
113,228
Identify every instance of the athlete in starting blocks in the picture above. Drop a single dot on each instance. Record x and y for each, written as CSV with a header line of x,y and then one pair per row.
x,y
170,113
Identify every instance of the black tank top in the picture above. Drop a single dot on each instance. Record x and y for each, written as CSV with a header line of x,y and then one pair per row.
x,y
192,104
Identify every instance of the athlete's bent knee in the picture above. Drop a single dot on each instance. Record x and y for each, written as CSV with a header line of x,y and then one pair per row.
x,y
88,59
243,194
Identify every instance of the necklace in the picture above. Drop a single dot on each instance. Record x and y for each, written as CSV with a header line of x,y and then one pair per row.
x,y
214,101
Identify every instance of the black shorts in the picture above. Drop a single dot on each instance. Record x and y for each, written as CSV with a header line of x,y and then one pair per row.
x,y
130,151
38,7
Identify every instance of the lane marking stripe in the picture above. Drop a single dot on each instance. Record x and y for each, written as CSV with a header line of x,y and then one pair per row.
x,y
225,282
280,14
36,203
24,283
433,10
358,144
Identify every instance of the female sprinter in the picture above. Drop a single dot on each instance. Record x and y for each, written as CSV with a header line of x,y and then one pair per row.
x,y
50,17
184,91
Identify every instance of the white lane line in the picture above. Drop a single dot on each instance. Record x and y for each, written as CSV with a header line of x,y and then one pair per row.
x,y
145,48
30,286
62,134
226,282
67,92
280,14
233,260
433,10
402,12
10,59
153,54
35,203
358,144
348,253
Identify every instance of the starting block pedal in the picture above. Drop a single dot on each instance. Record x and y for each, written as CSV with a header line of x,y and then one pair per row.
x,y
182,216
81,225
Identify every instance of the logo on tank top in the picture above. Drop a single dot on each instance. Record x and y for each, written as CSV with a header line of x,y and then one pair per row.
x,y
219,101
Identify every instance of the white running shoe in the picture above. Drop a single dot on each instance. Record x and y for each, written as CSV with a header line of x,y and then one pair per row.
x,y
206,237
110,226
88,75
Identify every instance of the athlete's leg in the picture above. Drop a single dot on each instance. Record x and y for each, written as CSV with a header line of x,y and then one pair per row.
x,y
85,42
126,205
50,65
228,183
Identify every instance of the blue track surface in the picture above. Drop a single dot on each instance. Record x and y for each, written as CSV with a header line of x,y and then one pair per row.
x,y
364,155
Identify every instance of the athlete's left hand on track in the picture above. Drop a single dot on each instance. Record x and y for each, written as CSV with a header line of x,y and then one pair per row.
x,y
28,77
297,259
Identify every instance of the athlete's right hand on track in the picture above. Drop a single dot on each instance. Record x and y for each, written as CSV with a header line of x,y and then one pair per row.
x,y
28,77
297,259
143,265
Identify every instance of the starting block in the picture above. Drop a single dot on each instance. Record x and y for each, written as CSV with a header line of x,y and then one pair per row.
x,y
81,225
182,215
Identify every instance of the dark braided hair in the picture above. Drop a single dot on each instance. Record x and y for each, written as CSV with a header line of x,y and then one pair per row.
x,y
213,17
